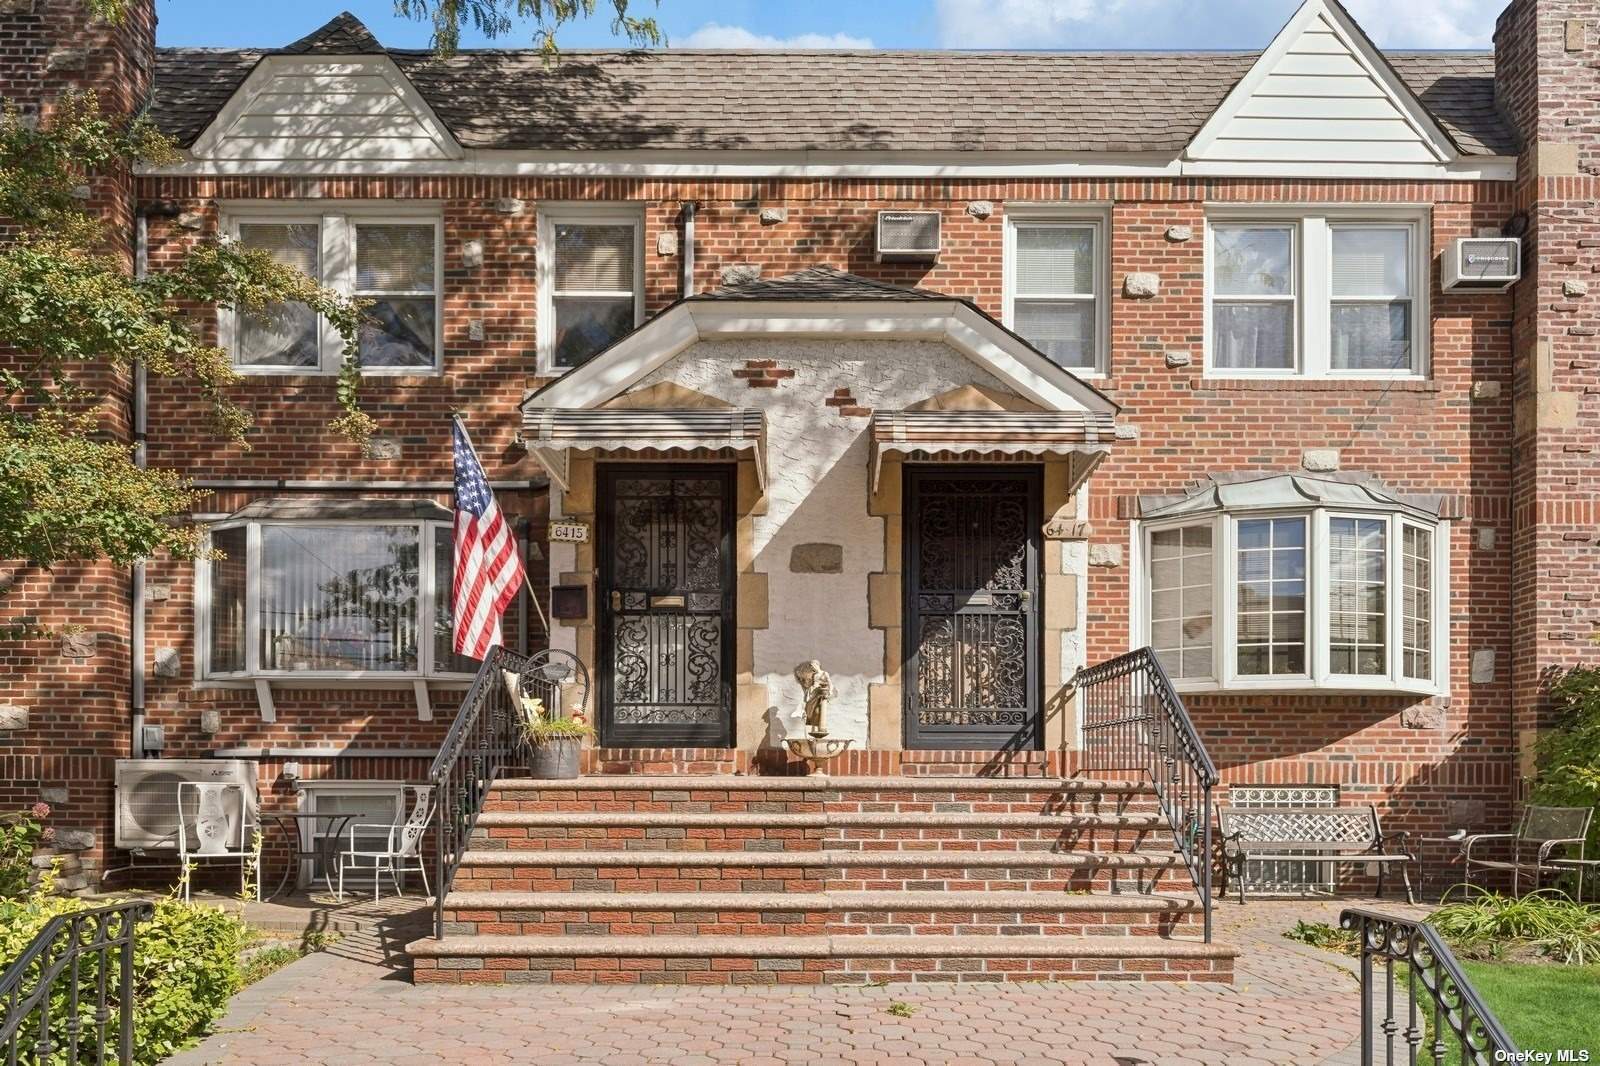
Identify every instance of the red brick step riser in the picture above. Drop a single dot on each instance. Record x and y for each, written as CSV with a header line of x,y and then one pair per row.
x,y
460,921
771,838
930,800
1043,879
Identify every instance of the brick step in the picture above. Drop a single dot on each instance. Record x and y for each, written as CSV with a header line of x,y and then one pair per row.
x,y
813,913
810,871
716,960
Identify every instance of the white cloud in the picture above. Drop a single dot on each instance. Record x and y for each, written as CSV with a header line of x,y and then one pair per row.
x,y
1179,24
716,35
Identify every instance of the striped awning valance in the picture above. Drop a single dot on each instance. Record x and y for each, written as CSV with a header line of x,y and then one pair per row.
x,y
551,433
979,434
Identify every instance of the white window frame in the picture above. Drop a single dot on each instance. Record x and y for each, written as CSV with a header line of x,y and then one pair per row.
x,y
580,214
1097,221
1293,297
337,264
428,592
1312,249
1318,676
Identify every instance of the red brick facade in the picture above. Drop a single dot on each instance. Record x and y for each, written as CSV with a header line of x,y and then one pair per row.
x,y
1505,425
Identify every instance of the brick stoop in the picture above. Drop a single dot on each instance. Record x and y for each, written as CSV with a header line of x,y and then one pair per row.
x,y
745,879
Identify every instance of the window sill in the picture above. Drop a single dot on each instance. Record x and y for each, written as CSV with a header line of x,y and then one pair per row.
x,y
1302,686
1304,384
264,684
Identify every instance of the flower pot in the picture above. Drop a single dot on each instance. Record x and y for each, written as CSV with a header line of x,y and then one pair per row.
x,y
554,758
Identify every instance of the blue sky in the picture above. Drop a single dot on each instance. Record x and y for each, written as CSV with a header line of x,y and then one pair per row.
x,y
881,23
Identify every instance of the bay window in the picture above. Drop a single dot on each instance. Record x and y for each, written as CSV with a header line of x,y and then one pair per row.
x,y
1292,583
387,258
1325,293
328,597
1055,288
590,281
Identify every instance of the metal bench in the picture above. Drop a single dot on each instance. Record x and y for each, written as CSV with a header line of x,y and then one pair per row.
x,y
1329,835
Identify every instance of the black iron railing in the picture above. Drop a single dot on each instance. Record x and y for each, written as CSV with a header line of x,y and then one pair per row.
x,y
1442,1013
69,996
1134,720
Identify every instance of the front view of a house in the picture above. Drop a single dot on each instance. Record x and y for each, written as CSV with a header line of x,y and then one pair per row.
x,y
955,374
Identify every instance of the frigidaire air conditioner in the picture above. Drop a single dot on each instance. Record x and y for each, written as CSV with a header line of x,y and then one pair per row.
x,y
1482,263
147,797
908,236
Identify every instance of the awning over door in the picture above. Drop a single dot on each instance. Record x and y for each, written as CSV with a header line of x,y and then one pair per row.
x,y
955,435
552,433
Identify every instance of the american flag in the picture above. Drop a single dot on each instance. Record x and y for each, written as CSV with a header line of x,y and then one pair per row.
x,y
488,569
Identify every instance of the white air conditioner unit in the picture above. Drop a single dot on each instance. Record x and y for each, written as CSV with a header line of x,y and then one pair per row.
x,y
908,236
1485,264
147,797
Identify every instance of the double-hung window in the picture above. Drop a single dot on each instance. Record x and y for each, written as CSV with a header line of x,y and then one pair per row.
x,y
1055,288
1322,294
1290,592
389,259
590,281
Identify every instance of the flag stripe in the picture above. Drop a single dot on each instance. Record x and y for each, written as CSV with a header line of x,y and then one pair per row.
x,y
488,568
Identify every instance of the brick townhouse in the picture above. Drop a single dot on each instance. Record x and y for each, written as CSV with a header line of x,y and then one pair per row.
x,y
955,372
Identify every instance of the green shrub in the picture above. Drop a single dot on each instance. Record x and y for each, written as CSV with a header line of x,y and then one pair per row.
x,y
19,833
185,968
1568,756
1489,923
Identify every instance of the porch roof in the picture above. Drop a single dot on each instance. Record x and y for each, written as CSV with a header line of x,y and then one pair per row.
x,y
931,434
552,432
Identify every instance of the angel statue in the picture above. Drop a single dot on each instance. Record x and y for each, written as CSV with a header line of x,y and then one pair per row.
x,y
817,687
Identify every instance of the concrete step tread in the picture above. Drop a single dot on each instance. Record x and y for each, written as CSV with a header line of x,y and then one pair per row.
x,y
810,820
757,783
526,857
820,947
815,901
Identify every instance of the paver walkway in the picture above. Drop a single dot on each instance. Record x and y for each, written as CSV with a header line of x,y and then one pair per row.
x,y
1289,1005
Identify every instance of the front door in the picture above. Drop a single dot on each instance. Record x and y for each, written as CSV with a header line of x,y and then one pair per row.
x,y
972,541
664,553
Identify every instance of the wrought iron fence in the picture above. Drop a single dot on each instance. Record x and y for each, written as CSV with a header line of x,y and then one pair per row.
x,y
1443,1014
1134,720
69,996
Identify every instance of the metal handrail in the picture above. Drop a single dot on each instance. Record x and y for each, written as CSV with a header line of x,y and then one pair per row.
x,y
78,945
1448,998
1134,720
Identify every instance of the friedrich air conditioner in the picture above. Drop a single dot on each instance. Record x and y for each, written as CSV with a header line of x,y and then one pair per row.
x,y
147,797
908,236
1486,264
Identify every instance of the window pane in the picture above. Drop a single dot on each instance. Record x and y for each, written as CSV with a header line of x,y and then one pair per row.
x,y
1371,336
1252,261
1054,260
393,258
339,597
284,334
1063,330
227,601
1417,648
1357,595
1180,600
1253,336
1271,626
594,258
399,332
586,325
1371,262
445,660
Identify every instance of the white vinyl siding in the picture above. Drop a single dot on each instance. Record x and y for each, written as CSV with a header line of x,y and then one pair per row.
x,y
1055,288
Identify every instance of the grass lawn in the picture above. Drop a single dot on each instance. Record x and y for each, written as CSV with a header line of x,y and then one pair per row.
x,y
1544,1008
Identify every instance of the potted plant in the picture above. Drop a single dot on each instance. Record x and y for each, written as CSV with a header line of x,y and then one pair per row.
x,y
553,741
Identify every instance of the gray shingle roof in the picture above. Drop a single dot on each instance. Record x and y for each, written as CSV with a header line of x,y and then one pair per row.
x,y
819,283
826,101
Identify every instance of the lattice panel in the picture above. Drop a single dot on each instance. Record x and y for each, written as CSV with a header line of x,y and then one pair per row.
x,y
1284,877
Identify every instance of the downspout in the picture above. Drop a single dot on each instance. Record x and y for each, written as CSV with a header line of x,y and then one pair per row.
x,y
136,636
686,283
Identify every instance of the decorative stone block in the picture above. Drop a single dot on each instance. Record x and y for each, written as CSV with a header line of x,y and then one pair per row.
x,y
74,839
1127,432
980,208
509,205
82,192
475,329
1486,538
1482,666
1485,390
168,663
472,254
1105,555
741,273
1573,287
13,717
382,448
79,644
1141,285
17,7
817,559
1179,234
66,59
191,220
1320,460
771,216
157,593
1467,813
1176,359
1423,716
54,795
667,242
210,722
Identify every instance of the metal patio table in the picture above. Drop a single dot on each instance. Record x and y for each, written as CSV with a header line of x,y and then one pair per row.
x,y
325,849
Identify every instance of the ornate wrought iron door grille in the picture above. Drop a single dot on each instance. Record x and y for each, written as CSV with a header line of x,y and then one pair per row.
x,y
971,607
665,554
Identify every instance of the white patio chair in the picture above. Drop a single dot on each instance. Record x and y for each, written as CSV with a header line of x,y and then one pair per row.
x,y
218,832
402,847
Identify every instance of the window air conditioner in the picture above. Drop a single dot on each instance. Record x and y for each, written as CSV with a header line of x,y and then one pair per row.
x,y
147,797
1485,264
908,236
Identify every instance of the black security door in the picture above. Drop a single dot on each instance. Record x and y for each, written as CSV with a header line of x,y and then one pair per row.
x,y
666,601
971,607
